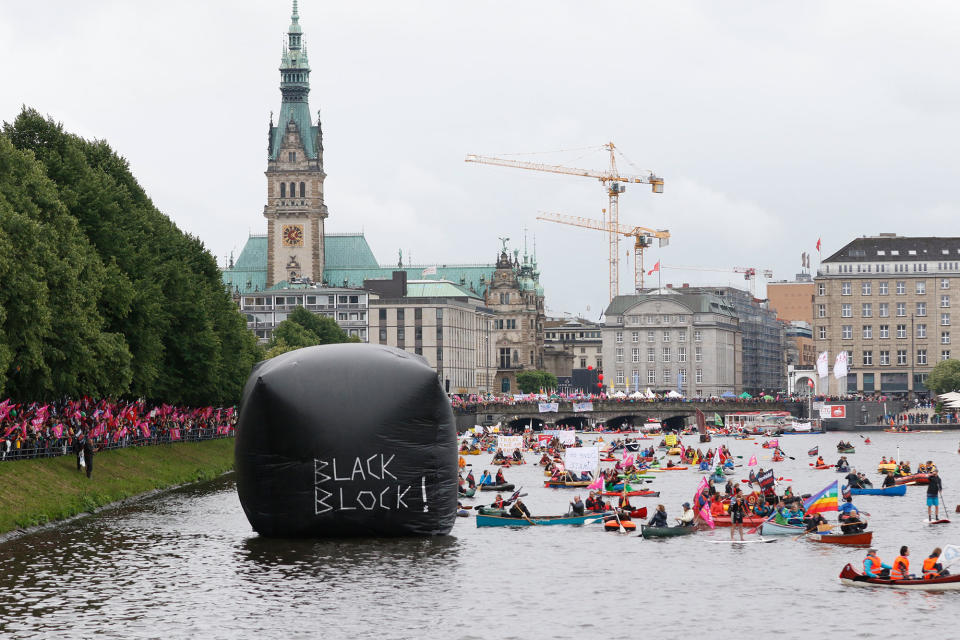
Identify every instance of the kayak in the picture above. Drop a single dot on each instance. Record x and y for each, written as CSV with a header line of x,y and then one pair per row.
x,y
637,476
851,578
917,478
496,487
848,450
777,458
675,451
469,493
748,521
490,511
507,521
673,468
823,466
860,539
471,452
665,532
896,490
776,529
565,484
885,467
633,494
719,479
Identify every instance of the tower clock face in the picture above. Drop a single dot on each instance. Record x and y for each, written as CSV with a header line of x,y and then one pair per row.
x,y
292,235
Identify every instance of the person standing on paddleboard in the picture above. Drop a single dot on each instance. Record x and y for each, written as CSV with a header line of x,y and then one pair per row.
x,y
934,486
736,511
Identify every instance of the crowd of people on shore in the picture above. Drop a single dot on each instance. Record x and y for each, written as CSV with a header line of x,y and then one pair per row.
x,y
36,430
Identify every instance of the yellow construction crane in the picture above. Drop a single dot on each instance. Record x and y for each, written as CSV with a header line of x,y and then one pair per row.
x,y
612,181
642,237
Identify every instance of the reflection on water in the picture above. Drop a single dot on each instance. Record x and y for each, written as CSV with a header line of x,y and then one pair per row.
x,y
186,564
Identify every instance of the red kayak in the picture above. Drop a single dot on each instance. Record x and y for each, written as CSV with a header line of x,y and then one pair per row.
x,y
823,466
777,458
633,494
916,478
859,539
851,578
748,521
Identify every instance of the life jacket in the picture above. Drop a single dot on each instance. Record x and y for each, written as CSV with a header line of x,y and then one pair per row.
x,y
930,568
871,565
897,573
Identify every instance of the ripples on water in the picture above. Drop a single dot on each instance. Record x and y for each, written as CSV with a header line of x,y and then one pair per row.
x,y
186,565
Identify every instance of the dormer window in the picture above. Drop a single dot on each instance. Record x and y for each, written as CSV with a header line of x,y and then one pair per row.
x,y
292,156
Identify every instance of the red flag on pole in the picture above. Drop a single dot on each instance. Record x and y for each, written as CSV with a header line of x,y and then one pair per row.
x,y
818,244
656,268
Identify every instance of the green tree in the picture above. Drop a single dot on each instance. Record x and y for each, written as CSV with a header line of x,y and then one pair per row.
x,y
304,329
945,377
535,380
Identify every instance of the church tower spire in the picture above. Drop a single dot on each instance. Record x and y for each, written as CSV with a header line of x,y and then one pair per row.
x,y
295,210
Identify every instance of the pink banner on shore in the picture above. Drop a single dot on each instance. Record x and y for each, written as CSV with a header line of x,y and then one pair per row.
x,y
174,434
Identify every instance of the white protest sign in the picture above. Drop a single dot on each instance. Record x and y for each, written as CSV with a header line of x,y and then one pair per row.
x,y
508,444
580,459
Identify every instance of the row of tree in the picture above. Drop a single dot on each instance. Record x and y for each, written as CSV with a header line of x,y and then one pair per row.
x,y
101,294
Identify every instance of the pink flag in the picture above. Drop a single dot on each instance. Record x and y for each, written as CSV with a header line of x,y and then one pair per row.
x,y
706,516
773,444
58,430
5,408
628,461
596,485
175,434
145,428
753,461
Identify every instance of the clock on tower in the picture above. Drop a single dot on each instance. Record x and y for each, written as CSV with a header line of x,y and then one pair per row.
x,y
292,235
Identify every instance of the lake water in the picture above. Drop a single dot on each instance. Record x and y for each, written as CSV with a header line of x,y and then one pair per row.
x,y
187,565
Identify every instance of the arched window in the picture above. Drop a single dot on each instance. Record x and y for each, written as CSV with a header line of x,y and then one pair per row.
x,y
293,189
303,189
283,189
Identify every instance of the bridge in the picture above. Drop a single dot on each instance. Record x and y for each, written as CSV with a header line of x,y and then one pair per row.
x,y
613,413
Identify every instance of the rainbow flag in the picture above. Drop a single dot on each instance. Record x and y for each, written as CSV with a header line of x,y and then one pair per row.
x,y
823,501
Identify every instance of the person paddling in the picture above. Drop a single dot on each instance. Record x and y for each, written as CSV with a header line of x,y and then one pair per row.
x,y
659,518
686,519
934,485
874,567
932,568
736,510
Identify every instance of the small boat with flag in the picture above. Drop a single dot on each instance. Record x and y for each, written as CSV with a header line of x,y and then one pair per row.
x,y
510,521
851,578
771,528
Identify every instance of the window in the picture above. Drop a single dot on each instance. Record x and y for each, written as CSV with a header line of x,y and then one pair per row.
x,y
867,331
697,335
283,189
635,377
698,354
512,324
921,331
667,319
681,354
699,376
901,287
901,357
651,377
619,337
666,336
291,156
619,354
868,358
944,337
921,308
682,335
883,309
651,337
822,333
821,289
901,331
383,336
665,354
846,332
293,190
866,310
619,377
944,283
845,289
846,310
883,288
921,356
667,378
901,309
884,331
865,287
944,319
921,287
821,311
884,358
635,355
303,189
944,302
651,355
504,298
635,336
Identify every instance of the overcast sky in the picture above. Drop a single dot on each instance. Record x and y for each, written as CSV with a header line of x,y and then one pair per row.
x,y
772,123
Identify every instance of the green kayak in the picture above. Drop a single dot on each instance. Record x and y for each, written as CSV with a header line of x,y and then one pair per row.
x,y
665,532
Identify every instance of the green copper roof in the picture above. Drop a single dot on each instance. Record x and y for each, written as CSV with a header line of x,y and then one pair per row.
x,y
438,289
295,89
347,250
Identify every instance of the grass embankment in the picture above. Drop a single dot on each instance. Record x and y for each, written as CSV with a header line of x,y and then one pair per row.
x,y
34,492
